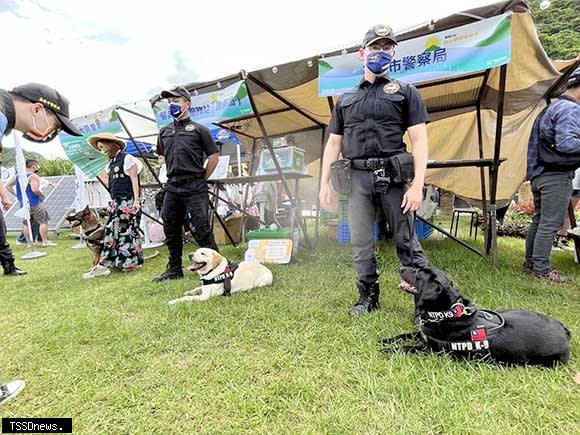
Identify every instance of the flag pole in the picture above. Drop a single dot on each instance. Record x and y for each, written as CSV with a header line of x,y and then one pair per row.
x,y
23,183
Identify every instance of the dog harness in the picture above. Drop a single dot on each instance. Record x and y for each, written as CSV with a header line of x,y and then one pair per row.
x,y
94,236
477,341
225,278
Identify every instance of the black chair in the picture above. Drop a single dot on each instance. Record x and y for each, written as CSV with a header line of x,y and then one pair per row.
x,y
461,207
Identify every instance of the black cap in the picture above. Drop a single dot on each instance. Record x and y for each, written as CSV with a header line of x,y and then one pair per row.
x,y
380,31
51,99
177,91
574,79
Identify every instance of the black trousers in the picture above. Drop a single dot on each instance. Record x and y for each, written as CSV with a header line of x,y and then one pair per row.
x,y
195,202
362,204
5,251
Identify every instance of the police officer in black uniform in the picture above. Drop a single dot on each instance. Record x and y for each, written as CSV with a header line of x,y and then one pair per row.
x,y
367,127
39,112
183,146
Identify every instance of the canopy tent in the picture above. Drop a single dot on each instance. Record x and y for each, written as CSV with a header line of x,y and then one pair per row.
x,y
479,119
484,114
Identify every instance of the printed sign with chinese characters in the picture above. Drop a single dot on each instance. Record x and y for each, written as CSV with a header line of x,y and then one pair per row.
x,y
461,50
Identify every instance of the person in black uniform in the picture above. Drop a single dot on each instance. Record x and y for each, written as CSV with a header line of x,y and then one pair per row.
x,y
367,127
39,112
183,147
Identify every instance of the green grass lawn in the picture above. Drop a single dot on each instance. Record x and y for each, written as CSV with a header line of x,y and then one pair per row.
x,y
111,354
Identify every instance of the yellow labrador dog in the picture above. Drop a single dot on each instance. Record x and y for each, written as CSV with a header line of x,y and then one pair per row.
x,y
220,277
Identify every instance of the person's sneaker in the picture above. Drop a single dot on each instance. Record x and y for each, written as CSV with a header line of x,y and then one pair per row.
x,y
96,271
48,244
552,275
528,266
10,390
168,275
19,243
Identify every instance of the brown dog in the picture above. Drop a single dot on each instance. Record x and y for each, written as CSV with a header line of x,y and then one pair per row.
x,y
93,232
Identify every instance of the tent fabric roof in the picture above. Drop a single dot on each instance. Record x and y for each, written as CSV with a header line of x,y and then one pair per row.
x,y
531,76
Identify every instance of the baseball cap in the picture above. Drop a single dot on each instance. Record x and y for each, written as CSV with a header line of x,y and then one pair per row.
x,y
380,31
176,91
51,99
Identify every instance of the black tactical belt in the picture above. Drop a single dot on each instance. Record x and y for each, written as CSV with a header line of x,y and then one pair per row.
x,y
184,179
371,164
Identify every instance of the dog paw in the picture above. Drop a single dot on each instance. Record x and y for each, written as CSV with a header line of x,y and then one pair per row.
x,y
194,292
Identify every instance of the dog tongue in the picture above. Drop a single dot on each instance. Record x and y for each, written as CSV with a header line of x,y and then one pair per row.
x,y
406,287
196,266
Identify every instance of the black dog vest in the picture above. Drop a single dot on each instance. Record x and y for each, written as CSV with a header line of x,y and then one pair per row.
x,y
225,278
476,341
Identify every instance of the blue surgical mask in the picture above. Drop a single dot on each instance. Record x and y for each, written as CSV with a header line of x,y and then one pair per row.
x,y
176,110
378,62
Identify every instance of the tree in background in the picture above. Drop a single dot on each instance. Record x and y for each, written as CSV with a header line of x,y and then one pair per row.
x,y
51,168
48,168
558,27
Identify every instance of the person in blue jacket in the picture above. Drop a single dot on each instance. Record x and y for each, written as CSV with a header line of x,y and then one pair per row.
x,y
552,188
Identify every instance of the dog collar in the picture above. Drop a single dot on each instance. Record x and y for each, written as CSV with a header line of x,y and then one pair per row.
x,y
458,309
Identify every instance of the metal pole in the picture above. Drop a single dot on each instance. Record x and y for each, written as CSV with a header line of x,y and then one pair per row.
x,y
245,197
495,172
451,236
284,100
273,154
269,145
138,148
317,221
136,113
482,174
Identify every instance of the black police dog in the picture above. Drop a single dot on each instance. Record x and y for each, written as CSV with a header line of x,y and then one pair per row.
x,y
449,322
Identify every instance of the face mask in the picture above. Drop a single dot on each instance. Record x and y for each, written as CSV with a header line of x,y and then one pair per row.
x,y
176,110
37,136
378,62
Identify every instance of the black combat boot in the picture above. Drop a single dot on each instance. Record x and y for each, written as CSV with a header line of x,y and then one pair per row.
x,y
10,269
172,272
368,299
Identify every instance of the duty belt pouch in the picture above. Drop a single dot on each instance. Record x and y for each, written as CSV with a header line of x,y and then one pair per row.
x,y
403,168
340,176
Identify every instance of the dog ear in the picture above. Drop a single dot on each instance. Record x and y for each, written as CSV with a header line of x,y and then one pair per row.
x,y
216,259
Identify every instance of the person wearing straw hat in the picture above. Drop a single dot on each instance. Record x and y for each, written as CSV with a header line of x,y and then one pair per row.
x,y
39,112
122,245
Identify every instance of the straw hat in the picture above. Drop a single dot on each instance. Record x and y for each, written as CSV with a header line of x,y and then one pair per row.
x,y
105,136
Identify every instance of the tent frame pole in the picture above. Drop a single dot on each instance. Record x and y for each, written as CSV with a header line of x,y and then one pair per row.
x,y
268,143
494,169
480,144
317,221
245,197
283,100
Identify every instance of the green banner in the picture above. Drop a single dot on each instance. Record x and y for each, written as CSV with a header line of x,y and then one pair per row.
x,y
78,150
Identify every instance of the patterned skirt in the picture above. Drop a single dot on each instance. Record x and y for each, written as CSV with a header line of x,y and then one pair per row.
x,y
122,244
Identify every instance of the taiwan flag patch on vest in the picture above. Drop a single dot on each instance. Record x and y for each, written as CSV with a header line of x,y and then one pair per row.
x,y
478,334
